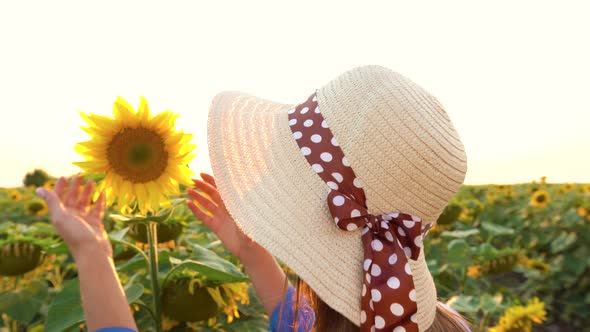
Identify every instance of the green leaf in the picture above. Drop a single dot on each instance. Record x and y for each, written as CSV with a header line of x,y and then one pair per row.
x,y
210,266
60,248
65,311
23,304
562,242
466,304
119,235
460,234
496,229
459,252
490,304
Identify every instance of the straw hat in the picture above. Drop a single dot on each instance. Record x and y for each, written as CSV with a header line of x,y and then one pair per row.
x,y
398,140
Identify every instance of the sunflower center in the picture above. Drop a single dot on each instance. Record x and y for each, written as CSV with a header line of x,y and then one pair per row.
x,y
138,155
541,198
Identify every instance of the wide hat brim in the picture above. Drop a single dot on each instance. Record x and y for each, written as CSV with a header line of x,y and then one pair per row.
x,y
279,201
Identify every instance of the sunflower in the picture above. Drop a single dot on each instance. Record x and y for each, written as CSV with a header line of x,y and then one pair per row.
x,y
474,271
540,198
50,184
15,195
144,158
36,207
521,318
586,188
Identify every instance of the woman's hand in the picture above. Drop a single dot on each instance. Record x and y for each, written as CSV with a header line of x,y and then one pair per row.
x,y
214,215
267,276
79,224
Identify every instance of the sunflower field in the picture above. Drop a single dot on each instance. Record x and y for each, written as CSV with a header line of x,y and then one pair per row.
x,y
509,258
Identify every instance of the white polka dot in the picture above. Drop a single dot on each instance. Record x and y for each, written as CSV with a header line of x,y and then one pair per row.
x,y
393,283
399,329
324,124
355,213
314,98
393,259
397,309
297,135
413,295
418,241
416,218
409,223
379,322
363,315
291,111
292,122
388,236
414,318
375,270
377,245
332,185
375,295
308,123
387,217
365,231
372,308
408,251
334,141
317,168
368,277
345,162
336,220
338,177
384,225
306,151
394,215
316,138
304,110
326,156
351,226
317,109
408,269
372,329
401,231
357,183
338,200
367,264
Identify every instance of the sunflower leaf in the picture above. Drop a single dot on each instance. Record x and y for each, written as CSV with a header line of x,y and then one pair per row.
x,y
209,265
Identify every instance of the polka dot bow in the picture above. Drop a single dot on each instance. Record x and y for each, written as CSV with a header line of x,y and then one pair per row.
x,y
388,296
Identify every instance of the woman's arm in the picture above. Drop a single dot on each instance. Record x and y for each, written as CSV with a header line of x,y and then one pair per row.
x,y
80,226
267,276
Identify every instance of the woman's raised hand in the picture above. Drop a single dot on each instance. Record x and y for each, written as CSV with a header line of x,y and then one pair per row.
x,y
212,211
77,222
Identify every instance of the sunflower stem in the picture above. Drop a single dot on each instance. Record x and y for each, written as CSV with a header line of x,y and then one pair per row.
x,y
152,232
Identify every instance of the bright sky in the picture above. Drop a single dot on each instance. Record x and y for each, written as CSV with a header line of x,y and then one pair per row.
x,y
513,75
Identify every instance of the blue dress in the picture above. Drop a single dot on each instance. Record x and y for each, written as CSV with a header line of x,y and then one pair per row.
x,y
306,317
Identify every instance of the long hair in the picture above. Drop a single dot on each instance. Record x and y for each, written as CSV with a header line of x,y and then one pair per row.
x,y
329,320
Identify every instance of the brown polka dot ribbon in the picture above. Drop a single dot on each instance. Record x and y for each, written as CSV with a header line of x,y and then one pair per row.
x,y
388,296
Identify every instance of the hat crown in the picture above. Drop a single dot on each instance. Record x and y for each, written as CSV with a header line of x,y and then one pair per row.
x,y
398,139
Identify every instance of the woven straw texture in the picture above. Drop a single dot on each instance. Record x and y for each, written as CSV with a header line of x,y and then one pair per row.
x,y
400,143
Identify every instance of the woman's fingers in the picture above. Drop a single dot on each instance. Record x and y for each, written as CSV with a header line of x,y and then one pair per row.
x,y
86,196
96,214
204,217
60,188
204,201
208,189
71,198
209,179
